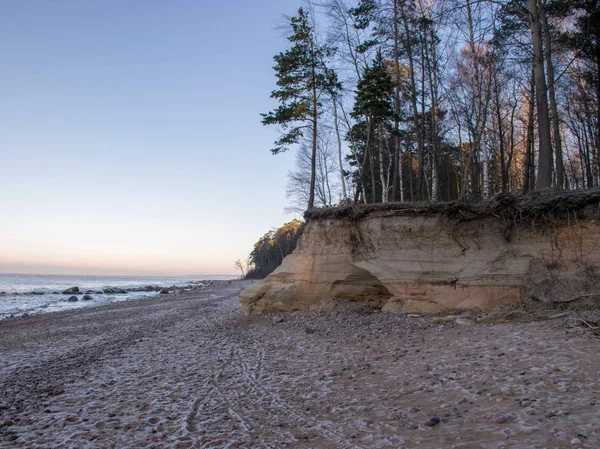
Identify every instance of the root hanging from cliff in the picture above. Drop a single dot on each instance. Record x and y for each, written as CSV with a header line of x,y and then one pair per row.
x,y
537,208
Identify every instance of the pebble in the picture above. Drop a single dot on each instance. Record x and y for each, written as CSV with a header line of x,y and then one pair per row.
x,y
278,319
434,421
575,441
524,403
500,419
550,415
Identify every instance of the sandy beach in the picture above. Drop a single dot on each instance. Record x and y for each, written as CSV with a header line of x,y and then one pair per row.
x,y
192,371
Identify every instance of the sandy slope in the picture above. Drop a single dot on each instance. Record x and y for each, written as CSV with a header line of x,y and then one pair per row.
x,y
194,372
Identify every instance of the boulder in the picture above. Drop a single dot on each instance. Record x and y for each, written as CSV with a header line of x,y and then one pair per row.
x,y
71,290
165,291
87,297
114,291
73,299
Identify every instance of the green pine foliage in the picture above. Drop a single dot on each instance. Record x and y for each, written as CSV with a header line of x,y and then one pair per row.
x,y
270,250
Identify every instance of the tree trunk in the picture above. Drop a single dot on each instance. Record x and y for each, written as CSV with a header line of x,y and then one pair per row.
x,y
527,181
339,145
384,183
544,175
398,179
433,86
313,159
413,99
360,183
555,124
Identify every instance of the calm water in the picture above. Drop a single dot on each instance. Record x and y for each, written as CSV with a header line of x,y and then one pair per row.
x,y
33,293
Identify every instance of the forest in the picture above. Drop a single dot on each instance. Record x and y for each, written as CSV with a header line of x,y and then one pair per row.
x,y
437,100
270,250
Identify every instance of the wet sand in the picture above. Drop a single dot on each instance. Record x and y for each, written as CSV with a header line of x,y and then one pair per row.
x,y
192,371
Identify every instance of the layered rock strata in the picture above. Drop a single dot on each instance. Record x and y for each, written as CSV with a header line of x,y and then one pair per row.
x,y
408,261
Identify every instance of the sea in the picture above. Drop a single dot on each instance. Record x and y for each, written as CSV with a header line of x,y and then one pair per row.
x,y
22,294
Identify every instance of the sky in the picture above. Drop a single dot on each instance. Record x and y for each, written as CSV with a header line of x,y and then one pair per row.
x,y
130,134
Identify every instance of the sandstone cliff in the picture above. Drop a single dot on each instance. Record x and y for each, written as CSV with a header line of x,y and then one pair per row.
x,y
426,258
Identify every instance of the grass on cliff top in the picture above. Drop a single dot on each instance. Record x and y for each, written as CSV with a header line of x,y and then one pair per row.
x,y
549,204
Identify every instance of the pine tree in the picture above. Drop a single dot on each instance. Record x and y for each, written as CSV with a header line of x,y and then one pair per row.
x,y
373,108
302,77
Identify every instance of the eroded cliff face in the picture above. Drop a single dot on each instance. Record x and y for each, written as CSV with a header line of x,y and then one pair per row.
x,y
407,263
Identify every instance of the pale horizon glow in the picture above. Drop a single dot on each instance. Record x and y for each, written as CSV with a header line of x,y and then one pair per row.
x,y
131,136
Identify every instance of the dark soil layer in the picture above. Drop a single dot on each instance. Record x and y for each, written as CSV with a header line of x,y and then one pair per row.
x,y
547,205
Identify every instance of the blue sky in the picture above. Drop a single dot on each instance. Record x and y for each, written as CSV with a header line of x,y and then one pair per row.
x,y
130,134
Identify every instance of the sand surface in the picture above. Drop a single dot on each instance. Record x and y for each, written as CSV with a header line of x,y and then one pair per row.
x,y
192,371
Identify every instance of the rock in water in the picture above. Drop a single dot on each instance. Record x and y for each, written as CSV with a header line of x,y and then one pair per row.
x,y
87,297
71,290
164,291
73,299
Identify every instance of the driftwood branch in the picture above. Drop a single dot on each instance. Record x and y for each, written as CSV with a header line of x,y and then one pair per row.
x,y
575,298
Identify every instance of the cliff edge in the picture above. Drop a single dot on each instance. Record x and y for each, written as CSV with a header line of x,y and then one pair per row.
x,y
424,258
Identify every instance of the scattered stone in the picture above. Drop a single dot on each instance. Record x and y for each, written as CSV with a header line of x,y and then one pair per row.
x,y
71,290
434,421
525,403
412,426
500,419
575,441
278,319
73,299
550,415
13,437
165,291
87,298
8,422
466,321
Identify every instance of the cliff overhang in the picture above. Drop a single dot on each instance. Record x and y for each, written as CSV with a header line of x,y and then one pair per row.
x,y
428,257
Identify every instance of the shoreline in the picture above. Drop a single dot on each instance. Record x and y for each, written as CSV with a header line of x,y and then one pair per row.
x,y
191,371
80,298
